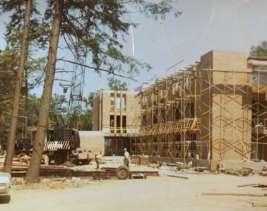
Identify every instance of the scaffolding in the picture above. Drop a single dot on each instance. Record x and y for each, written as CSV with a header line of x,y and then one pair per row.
x,y
205,112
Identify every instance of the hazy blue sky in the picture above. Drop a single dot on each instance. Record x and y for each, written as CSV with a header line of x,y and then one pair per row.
x,y
232,25
204,25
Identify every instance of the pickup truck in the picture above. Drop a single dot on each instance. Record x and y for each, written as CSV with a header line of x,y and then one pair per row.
x,y
82,156
5,186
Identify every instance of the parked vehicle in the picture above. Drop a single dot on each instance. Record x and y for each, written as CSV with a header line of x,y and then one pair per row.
x,y
81,156
5,186
59,144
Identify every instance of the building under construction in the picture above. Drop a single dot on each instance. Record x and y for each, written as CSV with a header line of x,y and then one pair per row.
x,y
216,109
114,115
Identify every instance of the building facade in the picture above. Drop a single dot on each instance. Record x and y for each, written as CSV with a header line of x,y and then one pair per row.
x,y
114,113
216,109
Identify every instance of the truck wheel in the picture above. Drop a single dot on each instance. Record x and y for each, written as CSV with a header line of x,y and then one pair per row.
x,y
122,172
58,158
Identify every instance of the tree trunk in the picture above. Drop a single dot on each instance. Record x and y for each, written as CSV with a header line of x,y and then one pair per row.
x,y
15,109
34,167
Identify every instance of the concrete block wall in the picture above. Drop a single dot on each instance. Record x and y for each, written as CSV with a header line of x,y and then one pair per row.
x,y
238,164
91,140
198,162
228,100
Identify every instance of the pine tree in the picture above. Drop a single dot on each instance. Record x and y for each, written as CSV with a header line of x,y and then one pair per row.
x,y
87,25
19,78
8,65
22,10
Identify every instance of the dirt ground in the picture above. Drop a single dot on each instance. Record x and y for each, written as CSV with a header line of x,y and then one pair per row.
x,y
154,193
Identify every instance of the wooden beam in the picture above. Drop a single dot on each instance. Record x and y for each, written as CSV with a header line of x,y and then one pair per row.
x,y
233,194
178,176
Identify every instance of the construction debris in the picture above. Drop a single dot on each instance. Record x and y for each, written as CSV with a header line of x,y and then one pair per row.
x,y
201,169
181,165
68,164
219,166
140,160
154,165
245,171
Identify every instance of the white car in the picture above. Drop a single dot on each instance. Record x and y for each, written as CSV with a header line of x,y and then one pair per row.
x,y
5,186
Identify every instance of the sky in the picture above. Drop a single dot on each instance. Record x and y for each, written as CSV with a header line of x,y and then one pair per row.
x,y
204,25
